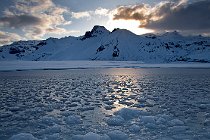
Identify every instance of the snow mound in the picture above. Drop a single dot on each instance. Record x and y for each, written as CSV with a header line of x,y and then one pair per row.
x,y
51,130
148,119
48,120
207,122
176,122
73,120
117,135
23,136
55,136
129,114
90,136
115,121
178,129
134,128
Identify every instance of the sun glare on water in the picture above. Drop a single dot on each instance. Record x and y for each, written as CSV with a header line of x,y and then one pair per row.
x,y
131,25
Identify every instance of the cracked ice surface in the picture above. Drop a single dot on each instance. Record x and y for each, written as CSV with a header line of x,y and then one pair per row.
x,y
106,104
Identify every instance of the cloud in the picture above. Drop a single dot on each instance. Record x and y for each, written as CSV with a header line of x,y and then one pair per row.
x,y
16,21
193,16
101,11
7,38
169,15
137,12
88,14
79,15
35,18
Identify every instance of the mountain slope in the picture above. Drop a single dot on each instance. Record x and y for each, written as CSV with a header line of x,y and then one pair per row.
x,y
120,44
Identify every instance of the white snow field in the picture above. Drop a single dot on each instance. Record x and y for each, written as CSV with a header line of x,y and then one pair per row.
x,y
118,45
104,103
53,65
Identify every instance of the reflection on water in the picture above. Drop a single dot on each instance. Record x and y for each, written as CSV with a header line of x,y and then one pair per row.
x,y
161,103
123,90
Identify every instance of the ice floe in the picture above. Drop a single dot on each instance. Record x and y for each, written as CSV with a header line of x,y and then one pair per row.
x,y
96,104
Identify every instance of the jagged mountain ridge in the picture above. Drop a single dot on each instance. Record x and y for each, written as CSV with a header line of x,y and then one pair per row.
x,y
120,44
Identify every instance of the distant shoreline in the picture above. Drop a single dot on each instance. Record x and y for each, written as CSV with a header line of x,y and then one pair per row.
x,y
64,65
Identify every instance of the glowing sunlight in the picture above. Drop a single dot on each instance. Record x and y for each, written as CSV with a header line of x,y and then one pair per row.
x,y
131,25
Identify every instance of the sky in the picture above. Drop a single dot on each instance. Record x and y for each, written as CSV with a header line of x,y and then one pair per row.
x,y
41,19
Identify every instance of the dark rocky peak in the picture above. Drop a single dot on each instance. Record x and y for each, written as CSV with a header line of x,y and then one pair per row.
x,y
172,34
150,35
118,31
115,29
97,30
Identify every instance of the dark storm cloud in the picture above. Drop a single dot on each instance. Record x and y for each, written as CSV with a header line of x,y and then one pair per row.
x,y
180,15
18,21
195,16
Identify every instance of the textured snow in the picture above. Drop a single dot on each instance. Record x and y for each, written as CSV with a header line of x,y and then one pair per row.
x,y
105,104
134,128
117,135
90,136
115,121
73,120
128,114
23,136
148,119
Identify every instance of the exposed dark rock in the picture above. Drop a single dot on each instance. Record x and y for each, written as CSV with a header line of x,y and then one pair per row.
x,y
42,43
101,48
88,34
182,59
178,46
96,30
116,52
15,50
115,29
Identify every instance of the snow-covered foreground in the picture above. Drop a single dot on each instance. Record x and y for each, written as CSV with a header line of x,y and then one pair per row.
x,y
40,65
105,104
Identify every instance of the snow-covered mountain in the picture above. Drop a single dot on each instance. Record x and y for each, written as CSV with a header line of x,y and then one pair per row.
x,y
120,44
